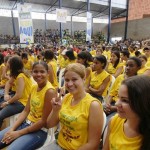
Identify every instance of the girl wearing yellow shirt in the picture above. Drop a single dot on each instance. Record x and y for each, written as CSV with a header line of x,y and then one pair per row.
x,y
114,67
82,58
144,69
70,57
1,64
100,79
52,65
132,66
29,132
129,129
15,104
77,114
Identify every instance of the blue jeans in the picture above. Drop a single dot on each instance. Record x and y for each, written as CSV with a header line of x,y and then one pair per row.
x,y
10,110
29,141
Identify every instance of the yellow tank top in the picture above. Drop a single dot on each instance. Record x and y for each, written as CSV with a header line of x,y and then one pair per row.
x,y
142,70
27,88
61,61
74,122
28,65
54,67
118,140
87,80
107,54
37,102
3,81
97,80
148,62
113,70
1,66
115,88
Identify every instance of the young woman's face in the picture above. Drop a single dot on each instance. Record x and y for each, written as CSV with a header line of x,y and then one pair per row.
x,y
143,61
131,68
73,82
113,58
98,52
97,65
80,60
123,108
40,74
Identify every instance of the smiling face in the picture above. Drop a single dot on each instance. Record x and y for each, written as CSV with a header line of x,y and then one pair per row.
x,y
40,74
123,108
73,82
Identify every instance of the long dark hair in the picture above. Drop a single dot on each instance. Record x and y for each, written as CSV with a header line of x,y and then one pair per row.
x,y
84,55
16,66
117,53
138,92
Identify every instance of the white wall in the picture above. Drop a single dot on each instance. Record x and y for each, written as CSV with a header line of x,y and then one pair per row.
x,y
137,29
6,25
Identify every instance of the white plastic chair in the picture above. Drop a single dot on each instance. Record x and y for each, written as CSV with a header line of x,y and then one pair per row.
x,y
60,76
109,88
50,138
105,120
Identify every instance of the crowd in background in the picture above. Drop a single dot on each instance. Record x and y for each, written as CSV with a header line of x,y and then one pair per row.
x,y
91,79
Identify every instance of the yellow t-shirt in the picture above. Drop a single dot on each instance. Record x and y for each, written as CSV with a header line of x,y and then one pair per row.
x,y
97,80
53,64
148,62
115,87
142,70
28,65
32,58
113,70
87,80
69,62
27,88
117,138
37,102
93,53
1,66
132,54
74,122
3,81
61,61
107,54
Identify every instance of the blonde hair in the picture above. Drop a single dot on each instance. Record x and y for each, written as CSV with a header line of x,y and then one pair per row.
x,y
77,68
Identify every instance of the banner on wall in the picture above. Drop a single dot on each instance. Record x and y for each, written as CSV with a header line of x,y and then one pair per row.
x,y
61,15
89,26
25,23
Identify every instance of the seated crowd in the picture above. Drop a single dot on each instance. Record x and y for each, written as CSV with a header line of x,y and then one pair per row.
x,y
75,91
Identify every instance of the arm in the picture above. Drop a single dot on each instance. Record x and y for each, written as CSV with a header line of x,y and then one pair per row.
x,y
8,85
147,72
53,118
51,74
4,73
22,116
108,108
101,88
118,72
95,126
46,111
37,125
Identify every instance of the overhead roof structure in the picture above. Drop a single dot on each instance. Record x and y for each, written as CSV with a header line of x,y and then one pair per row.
x,y
98,8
